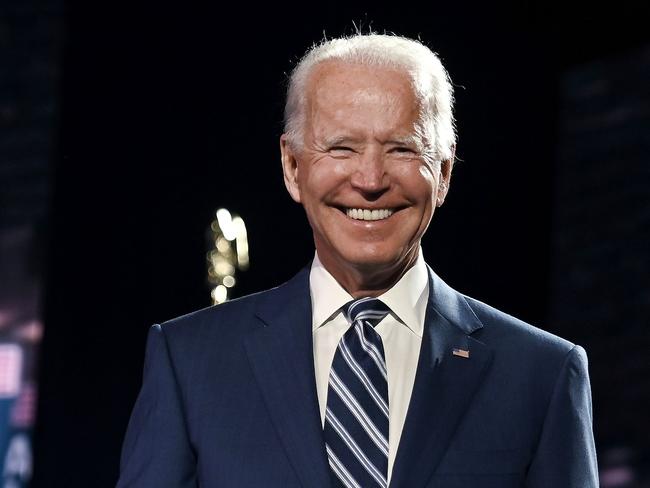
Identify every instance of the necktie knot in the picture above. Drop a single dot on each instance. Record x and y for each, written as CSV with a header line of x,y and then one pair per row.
x,y
368,309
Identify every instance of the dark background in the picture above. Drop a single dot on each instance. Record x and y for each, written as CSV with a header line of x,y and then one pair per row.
x,y
169,111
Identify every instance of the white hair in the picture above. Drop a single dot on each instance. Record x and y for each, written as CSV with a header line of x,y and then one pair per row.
x,y
429,79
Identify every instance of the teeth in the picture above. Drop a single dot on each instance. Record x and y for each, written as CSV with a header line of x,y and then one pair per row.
x,y
365,214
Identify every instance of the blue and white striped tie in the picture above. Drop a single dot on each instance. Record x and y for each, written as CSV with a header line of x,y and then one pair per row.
x,y
356,419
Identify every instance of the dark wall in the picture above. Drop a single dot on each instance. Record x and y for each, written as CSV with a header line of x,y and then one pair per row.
x,y
171,111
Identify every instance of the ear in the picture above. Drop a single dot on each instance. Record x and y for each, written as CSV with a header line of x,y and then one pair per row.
x,y
289,168
445,177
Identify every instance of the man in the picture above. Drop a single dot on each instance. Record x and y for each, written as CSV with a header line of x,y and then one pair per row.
x,y
365,369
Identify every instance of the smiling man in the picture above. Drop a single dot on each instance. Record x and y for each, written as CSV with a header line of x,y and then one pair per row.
x,y
364,168
365,369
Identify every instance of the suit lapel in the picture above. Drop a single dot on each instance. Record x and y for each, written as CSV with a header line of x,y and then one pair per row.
x,y
444,384
280,353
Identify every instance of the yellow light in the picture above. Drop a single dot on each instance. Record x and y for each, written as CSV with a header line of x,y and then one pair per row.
x,y
222,244
224,268
242,242
226,224
239,227
219,294
230,252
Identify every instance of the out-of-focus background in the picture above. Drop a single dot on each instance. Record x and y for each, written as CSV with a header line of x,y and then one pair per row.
x,y
124,126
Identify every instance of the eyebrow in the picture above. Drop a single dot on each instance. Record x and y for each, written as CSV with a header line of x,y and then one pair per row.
x,y
340,140
410,140
405,141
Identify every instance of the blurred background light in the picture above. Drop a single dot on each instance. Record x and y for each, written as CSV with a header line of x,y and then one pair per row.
x,y
230,253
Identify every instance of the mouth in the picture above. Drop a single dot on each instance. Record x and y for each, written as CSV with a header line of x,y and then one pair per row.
x,y
368,214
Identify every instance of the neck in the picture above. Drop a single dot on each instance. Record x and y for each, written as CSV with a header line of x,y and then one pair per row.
x,y
368,280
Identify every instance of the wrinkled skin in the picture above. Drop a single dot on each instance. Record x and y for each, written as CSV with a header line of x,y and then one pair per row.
x,y
361,148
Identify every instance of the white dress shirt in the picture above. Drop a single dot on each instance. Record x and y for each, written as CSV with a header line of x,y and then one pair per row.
x,y
400,331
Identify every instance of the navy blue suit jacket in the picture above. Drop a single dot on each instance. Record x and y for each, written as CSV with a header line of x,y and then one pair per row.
x,y
229,400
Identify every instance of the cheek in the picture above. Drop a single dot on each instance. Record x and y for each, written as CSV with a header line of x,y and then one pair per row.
x,y
429,180
323,177
428,174
417,183
331,168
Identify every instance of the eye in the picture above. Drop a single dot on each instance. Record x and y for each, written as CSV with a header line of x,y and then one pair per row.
x,y
403,150
341,151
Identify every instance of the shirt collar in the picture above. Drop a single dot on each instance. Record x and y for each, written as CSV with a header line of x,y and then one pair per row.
x,y
407,298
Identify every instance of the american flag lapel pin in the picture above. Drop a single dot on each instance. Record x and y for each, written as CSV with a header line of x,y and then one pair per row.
x,y
463,353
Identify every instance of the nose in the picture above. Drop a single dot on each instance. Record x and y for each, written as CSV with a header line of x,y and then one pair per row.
x,y
369,174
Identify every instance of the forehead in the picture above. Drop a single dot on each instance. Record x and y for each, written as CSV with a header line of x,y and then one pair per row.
x,y
367,95
340,79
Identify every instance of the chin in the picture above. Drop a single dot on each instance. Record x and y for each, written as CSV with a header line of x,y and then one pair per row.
x,y
373,258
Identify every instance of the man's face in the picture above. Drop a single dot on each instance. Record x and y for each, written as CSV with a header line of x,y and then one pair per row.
x,y
362,175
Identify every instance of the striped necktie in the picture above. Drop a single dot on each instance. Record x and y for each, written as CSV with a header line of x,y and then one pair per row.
x,y
356,418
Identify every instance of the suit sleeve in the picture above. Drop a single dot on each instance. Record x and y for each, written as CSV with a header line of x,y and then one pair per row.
x,y
566,454
156,451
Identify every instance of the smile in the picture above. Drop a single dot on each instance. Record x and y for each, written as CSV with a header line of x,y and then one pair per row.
x,y
366,214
